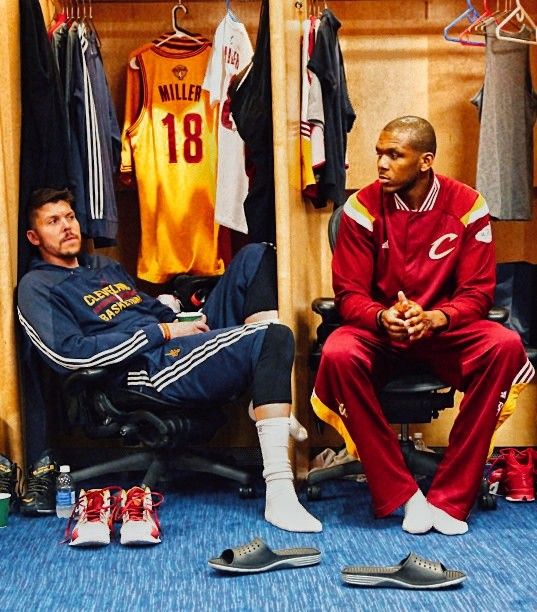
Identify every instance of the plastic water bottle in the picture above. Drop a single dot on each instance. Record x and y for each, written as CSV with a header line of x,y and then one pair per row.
x,y
65,492
419,443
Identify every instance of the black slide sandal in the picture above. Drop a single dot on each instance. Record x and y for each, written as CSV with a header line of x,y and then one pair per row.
x,y
256,556
413,572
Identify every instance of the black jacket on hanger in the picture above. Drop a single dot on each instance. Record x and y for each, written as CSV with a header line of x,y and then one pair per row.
x,y
44,143
251,106
327,63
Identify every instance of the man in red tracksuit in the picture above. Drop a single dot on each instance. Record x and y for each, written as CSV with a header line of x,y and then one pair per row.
x,y
414,277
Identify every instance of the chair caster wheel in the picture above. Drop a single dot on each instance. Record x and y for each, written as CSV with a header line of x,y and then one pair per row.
x,y
246,492
314,492
487,502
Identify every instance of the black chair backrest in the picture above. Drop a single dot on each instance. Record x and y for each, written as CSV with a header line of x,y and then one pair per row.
x,y
333,226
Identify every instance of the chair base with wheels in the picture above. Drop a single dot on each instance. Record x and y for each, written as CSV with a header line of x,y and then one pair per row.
x,y
164,432
409,398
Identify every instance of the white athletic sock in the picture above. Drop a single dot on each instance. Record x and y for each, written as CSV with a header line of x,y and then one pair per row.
x,y
418,518
282,507
447,524
297,431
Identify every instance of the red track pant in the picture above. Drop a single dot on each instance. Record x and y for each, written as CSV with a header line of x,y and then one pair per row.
x,y
483,360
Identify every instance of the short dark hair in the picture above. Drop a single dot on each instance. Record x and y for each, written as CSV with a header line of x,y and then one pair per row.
x,y
421,133
46,195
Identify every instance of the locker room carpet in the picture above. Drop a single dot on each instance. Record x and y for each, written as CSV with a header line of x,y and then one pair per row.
x,y
201,518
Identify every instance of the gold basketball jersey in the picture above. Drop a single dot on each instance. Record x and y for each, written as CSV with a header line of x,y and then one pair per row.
x,y
173,144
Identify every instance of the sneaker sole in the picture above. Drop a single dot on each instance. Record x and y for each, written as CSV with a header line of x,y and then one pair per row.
x,y
35,512
520,498
303,561
139,542
88,543
377,581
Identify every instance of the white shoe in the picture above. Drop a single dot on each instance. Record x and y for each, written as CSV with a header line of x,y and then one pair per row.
x,y
94,523
137,510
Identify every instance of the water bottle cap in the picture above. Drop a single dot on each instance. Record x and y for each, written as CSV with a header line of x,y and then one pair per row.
x,y
418,436
65,468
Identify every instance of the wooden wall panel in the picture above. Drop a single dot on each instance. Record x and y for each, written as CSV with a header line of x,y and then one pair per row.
x,y
375,65
11,432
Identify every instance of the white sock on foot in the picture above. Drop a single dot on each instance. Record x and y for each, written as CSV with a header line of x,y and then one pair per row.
x,y
282,507
418,518
447,524
297,431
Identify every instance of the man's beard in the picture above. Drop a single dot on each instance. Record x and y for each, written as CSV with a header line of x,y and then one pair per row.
x,y
71,252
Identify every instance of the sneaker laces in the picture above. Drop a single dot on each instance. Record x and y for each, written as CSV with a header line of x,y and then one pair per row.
x,y
39,483
90,507
135,505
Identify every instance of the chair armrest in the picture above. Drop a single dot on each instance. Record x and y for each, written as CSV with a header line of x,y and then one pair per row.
x,y
326,308
498,314
84,378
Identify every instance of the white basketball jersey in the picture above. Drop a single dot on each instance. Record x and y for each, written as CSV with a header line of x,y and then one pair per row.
x,y
231,52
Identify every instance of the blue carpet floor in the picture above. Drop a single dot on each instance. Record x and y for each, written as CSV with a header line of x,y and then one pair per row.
x,y
201,518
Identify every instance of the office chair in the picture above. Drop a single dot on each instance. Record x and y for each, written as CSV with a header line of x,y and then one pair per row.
x,y
416,395
163,432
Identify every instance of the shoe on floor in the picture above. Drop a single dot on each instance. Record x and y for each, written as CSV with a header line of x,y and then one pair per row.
x,y
413,572
137,511
94,526
514,471
40,490
518,476
256,556
519,486
9,476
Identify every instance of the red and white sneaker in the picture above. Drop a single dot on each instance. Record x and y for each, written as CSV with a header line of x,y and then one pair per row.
x,y
514,471
94,524
137,510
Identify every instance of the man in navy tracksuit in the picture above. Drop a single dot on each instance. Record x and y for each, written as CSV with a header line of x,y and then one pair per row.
x,y
83,310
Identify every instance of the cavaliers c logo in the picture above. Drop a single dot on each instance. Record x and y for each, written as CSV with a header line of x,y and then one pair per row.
x,y
434,253
180,71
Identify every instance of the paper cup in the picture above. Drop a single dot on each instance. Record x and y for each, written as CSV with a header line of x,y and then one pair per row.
x,y
4,508
189,316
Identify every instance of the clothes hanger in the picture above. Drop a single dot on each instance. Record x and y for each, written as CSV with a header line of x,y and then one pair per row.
x,y
178,31
525,27
230,12
488,17
497,16
88,20
477,27
471,15
69,12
